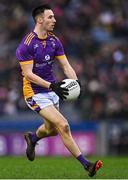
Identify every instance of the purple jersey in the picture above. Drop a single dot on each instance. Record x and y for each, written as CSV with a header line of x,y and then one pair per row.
x,y
42,53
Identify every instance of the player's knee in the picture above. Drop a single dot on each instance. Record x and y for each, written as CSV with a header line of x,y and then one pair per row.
x,y
66,128
52,132
40,130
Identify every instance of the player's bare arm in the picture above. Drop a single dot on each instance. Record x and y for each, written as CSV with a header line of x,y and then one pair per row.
x,y
28,73
67,68
27,70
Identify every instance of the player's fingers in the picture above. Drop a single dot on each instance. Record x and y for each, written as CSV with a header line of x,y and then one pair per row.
x,y
65,89
61,97
64,98
62,82
65,93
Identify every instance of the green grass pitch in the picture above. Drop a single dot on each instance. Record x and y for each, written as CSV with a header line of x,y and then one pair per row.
x,y
60,168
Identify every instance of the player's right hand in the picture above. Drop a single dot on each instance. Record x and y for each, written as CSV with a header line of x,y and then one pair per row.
x,y
60,91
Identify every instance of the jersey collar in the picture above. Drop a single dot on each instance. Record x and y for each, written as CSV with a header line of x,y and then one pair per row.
x,y
41,38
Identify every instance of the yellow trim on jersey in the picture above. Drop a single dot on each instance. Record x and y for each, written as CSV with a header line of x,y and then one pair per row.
x,y
29,39
42,37
27,88
60,57
26,62
52,34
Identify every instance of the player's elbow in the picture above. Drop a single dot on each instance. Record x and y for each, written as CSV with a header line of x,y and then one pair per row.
x,y
29,76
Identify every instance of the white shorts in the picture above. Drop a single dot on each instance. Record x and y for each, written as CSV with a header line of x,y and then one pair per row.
x,y
42,100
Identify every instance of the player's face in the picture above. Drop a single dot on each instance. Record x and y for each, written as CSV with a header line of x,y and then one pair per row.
x,y
48,20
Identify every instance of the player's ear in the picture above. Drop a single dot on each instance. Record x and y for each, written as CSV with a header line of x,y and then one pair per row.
x,y
39,19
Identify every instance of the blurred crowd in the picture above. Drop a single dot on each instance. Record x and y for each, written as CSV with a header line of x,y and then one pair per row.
x,y
95,37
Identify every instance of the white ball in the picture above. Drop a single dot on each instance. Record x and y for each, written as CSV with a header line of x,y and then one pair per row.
x,y
73,89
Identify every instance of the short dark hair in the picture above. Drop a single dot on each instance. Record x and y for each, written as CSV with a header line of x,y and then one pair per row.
x,y
40,9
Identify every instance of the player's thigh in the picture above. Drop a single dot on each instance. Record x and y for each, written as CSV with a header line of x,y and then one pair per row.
x,y
48,125
52,116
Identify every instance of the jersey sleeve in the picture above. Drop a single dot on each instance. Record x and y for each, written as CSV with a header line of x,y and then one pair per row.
x,y
23,54
59,49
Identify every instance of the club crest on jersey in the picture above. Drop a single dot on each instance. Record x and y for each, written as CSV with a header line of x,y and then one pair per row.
x,y
47,57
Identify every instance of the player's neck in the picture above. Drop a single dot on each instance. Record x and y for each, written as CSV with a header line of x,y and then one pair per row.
x,y
42,34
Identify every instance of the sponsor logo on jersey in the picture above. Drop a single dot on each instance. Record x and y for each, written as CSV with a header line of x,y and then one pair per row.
x,y
47,57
